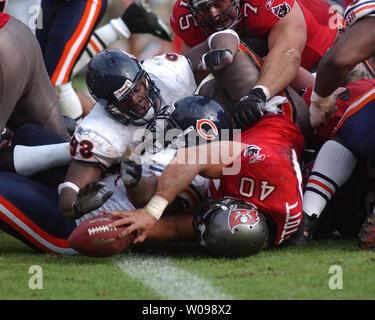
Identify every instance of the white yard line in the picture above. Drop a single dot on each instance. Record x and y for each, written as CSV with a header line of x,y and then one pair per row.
x,y
170,282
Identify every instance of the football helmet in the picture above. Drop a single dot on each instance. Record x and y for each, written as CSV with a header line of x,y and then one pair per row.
x,y
231,227
113,76
227,18
3,4
191,121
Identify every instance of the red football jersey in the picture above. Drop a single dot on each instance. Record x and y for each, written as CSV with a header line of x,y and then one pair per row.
x,y
4,18
260,16
270,177
344,100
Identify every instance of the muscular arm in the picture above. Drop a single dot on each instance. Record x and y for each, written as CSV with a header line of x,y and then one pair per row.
x,y
142,192
185,165
80,175
221,40
286,42
356,45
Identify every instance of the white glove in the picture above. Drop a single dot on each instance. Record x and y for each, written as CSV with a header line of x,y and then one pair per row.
x,y
321,109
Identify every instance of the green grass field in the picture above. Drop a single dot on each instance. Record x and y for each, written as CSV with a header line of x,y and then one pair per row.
x,y
155,273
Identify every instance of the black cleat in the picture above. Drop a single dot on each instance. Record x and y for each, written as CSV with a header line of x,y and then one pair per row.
x,y
305,232
139,18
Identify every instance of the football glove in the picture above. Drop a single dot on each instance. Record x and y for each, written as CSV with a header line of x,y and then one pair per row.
x,y
248,110
90,198
131,168
215,60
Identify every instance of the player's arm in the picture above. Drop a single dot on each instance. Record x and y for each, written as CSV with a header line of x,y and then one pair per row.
x,y
78,176
355,45
213,54
286,42
184,48
142,192
175,178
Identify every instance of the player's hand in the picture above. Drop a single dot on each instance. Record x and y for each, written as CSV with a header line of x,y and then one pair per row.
x,y
321,109
215,60
131,168
248,110
138,220
89,198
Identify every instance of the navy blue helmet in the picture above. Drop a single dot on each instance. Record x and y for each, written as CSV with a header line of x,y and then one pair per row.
x,y
191,121
113,76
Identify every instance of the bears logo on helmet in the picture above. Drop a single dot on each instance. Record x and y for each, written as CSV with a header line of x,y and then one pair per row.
x,y
204,133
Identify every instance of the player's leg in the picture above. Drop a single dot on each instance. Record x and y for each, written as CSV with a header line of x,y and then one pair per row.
x,y
19,66
66,43
354,137
137,18
29,212
38,153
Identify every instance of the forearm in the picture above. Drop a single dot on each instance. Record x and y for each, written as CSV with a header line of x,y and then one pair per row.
x,y
169,186
303,79
77,177
346,53
142,192
329,78
66,200
279,70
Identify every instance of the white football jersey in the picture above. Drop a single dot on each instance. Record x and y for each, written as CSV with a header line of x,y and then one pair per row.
x,y
194,194
101,140
357,9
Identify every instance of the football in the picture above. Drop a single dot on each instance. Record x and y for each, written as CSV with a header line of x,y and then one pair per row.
x,y
94,237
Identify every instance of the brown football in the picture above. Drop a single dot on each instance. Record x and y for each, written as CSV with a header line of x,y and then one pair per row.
x,y
94,237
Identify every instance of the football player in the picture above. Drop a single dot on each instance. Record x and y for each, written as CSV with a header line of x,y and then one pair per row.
x,y
273,143
29,208
342,58
350,142
269,177
25,94
128,94
292,33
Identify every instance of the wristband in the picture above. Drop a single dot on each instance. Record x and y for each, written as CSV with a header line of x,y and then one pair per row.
x,y
156,206
68,184
229,31
265,90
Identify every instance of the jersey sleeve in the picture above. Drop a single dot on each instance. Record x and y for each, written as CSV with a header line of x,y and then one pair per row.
x,y
172,74
90,148
358,9
261,15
